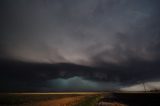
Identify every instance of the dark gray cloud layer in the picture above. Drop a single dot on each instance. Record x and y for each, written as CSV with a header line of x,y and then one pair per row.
x,y
39,76
99,40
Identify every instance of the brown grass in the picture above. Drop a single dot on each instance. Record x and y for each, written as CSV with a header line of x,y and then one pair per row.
x,y
66,101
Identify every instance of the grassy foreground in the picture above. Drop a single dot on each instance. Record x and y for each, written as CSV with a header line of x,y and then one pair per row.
x,y
49,99
90,101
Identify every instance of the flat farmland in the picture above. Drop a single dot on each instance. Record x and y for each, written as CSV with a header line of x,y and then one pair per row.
x,y
81,99
50,99
131,99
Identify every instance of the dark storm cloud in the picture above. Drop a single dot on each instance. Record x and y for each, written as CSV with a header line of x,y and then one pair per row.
x,y
113,41
38,30
35,76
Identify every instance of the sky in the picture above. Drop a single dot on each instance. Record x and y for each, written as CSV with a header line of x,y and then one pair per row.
x,y
79,45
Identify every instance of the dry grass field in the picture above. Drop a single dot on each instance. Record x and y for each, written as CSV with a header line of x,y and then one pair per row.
x,y
49,99
64,101
80,99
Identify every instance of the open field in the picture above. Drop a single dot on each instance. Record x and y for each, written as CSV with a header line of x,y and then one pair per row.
x,y
81,99
131,99
50,99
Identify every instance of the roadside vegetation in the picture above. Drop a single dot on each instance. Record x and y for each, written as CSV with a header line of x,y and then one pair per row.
x,y
90,101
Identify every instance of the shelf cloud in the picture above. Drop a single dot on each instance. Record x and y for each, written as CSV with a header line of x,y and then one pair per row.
x,y
95,41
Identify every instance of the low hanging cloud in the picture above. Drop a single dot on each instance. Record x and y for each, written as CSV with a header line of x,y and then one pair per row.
x,y
143,86
79,84
53,77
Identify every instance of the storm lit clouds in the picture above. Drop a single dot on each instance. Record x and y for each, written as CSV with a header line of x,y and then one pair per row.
x,y
78,83
79,31
151,85
117,40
